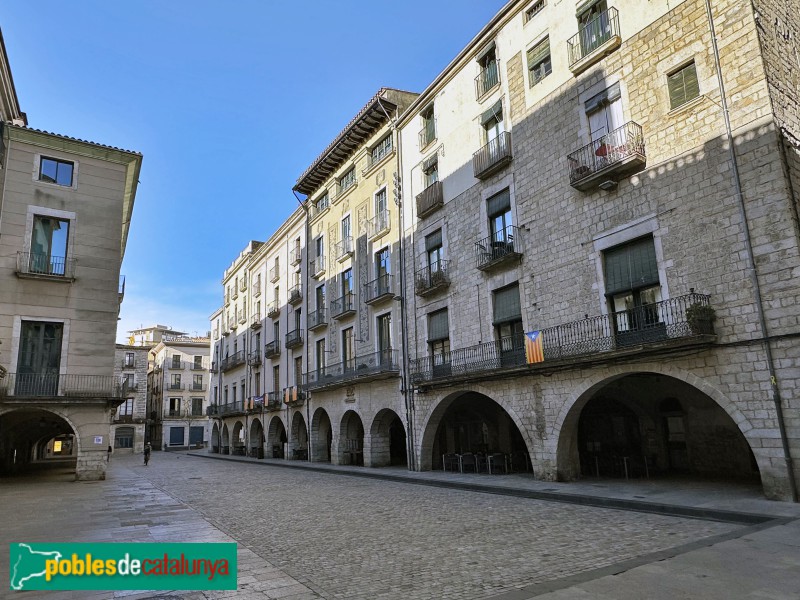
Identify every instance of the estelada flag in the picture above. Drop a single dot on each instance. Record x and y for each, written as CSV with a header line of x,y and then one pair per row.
x,y
534,350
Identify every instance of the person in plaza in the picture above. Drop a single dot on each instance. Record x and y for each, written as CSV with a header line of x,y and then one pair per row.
x,y
147,453
108,455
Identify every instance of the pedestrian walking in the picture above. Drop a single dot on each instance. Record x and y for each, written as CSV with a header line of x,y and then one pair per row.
x,y
147,454
108,456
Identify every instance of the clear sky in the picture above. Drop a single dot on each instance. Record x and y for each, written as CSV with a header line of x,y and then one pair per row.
x,y
228,101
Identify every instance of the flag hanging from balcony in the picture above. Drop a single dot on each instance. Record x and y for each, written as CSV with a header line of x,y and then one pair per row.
x,y
286,395
534,349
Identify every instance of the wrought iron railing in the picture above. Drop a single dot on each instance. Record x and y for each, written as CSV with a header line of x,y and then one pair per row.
x,y
427,134
295,294
254,358
317,318
343,305
176,413
174,365
430,199
379,288
176,387
32,263
367,365
487,78
274,274
613,148
378,224
232,407
273,309
194,366
294,338
647,324
198,387
431,278
43,385
492,156
255,321
498,247
274,401
593,35
293,395
344,248
272,349
296,255
317,266
234,360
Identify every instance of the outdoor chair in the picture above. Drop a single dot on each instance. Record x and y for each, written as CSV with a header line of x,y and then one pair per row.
x,y
468,463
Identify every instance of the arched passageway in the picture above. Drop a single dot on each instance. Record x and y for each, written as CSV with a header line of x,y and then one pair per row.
x,y
276,438
298,442
238,439
470,432
215,438
226,440
650,425
351,439
321,436
256,439
36,439
387,440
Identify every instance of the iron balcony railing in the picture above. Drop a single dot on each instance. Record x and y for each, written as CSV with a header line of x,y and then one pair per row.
x,y
487,79
274,401
493,156
293,395
378,224
684,317
593,35
176,387
379,289
273,309
36,264
346,183
272,349
317,318
177,413
48,385
212,410
430,199
175,365
242,317
296,255
431,278
295,294
615,148
317,266
343,248
320,206
232,407
255,321
232,361
198,387
254,358
367,365
499,247
243,284
427,134
195,366
214,367
343,305
294,338
274,274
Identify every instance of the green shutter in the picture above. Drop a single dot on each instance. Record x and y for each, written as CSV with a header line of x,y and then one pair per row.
x,y
683,86
438,326
631,266
538,53
506,305
495,112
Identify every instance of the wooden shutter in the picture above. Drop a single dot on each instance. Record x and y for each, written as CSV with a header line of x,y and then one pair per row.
x,y
438,326
506,305
632,266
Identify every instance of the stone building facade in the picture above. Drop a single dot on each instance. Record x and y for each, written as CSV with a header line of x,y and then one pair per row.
x,y
128,421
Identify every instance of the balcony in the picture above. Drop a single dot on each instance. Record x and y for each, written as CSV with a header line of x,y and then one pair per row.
x,y
295,294
429,280
378,365
606,159
296,256
128,364
379,289
376,157
214,367
198,387
660,327
255,322
130,386
320,207
232,408
255,404
317,319
378,225
243,284
176,387
257,287
176,413
242,317
430,200
500,248
234,293
274,274
427,135
343,249
317,267
254,358
274,401
293,396
272,349
597,39
232,361
175,365
273,310
195,366
487,79
124,419
493,157
41,266
345,185
212,410
344,306
46,386
294,338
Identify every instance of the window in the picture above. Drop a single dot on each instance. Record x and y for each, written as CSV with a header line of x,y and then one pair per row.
x,y
225,394
428,132
320,355
382,263
604,113
348,349
276,330
128,382
439,336
507,318
492,123
130,359
347,284
276,379
385,337
534,10
382,149
489,75
198,362
320,297
501,222
434,251
49,239
683,85
257,383
175,382
174,407
52,170
233,393
632,284
298,370
381,206
346,230
176,361
430,171
539,64
276,294
197,407
319,247
347,180
123,437
197,382
126,408
322,203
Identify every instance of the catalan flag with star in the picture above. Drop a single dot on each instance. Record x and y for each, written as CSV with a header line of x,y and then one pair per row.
x,y
534,348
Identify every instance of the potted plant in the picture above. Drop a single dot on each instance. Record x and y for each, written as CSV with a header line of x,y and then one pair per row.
x,y
700,318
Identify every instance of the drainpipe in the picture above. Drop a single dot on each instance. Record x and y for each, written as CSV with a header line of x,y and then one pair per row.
x,y
776,396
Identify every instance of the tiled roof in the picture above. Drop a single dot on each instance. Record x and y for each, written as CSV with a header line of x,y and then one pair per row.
x,y
74,139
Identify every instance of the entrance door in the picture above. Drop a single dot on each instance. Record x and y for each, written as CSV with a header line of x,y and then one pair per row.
x,y
39,359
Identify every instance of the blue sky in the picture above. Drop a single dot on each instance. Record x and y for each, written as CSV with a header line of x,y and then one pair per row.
x,y
228,101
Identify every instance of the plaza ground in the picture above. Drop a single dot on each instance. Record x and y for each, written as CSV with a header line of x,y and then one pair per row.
x,y
321,531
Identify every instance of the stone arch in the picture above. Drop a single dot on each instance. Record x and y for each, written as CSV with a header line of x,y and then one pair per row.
x,y
321,436
238,435
226,439
298,441
431,424
276,437
25,434
215,438
384,446
256,439
351,439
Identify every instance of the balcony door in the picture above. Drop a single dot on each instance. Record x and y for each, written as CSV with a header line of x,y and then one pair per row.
x,y
604,112
594,27
348,349
49,245
385,338
498,209
39,358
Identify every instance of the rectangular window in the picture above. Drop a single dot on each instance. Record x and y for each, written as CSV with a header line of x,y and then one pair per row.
x,y
539,64
174,407
381,205
198,362
430,171
428,132
498,209
130,359
53,170
175,383
319,247
348,349
320,297
127,382
633,287
492,122
534,10
197,382
322,203
257,383
384,323
434,250
197,407
489,74
39,358
276,379
604,113
298,370
346,230
439,340
683,85
383,148
507,321
347,282
49,243
126,408
320,355
176,361
347,180
276,330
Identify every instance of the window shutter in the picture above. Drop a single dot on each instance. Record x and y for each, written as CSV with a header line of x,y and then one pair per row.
x,y
538,53
429,162
498,204
690,82
495,112
438,326
433,240
506,305
631,266
683,85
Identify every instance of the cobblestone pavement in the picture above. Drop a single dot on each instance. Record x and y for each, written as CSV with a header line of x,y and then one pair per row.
x,y
305,535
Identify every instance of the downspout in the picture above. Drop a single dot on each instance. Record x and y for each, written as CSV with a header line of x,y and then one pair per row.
x,y
308,352
776,396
